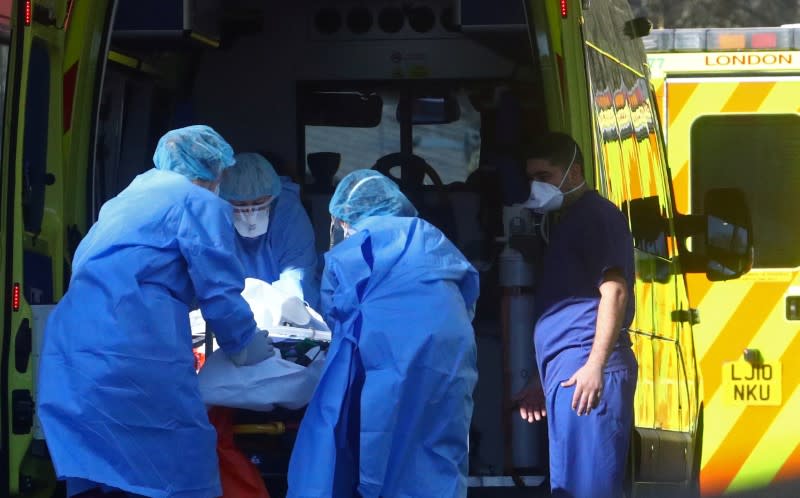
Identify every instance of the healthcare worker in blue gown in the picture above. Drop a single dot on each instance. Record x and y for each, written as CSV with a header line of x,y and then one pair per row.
x,y
275,237
117,391
584,304
391,414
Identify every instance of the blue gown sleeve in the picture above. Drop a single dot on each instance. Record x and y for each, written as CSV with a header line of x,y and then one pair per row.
x,y
326,290
296,251
206,240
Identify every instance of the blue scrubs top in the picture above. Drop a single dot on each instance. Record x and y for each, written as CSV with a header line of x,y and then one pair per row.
x,y
286,255
591,238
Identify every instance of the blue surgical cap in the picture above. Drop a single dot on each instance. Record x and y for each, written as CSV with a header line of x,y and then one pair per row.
x,y
365,193
197,152
250,178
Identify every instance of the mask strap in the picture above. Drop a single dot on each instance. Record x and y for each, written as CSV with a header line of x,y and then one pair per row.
x,y
571,162
575,188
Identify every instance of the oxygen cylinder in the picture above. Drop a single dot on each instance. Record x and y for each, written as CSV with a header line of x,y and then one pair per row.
x,y
517,274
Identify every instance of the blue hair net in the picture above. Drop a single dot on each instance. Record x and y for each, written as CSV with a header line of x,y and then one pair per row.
x,y
197,152
250,178
365,193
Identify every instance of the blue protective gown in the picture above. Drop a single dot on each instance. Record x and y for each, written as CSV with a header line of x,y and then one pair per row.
x,y
117,391
286,255
391,414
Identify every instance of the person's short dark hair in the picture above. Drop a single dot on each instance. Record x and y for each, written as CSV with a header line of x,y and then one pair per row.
x,y
558,148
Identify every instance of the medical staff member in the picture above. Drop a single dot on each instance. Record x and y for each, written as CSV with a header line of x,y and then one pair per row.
x,y
117,392
276,239
391,414
584,305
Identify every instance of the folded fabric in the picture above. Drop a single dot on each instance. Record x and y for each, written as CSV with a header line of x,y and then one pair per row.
x,y
262,386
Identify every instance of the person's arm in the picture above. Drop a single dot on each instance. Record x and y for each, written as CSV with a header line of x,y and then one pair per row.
x,y
297,256
610,314
205,238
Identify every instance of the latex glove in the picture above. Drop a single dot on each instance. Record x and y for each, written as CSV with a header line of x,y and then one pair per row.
x,y
259,349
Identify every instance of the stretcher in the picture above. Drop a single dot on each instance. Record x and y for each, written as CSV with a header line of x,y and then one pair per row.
x,y
257,409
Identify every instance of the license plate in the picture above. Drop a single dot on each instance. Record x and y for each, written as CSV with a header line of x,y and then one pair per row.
x,y
745,384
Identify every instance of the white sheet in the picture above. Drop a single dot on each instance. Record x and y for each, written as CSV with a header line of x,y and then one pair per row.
x,y
260,387
283,316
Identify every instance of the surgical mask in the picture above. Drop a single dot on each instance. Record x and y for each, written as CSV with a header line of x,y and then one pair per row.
x,y
546,197
339,232
252,221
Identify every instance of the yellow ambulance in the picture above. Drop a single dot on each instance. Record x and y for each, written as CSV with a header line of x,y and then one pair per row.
x,y
729,108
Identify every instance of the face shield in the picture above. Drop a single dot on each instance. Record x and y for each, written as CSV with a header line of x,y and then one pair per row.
x,y
252,221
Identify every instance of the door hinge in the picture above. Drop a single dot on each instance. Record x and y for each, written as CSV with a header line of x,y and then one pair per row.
x,y
23,346
22,409
691,316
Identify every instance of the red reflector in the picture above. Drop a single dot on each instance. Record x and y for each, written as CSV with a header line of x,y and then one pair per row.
x,y
764,40
28,12
15,297
563,8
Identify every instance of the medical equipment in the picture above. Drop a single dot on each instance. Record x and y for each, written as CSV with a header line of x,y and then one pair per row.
x,y
517,276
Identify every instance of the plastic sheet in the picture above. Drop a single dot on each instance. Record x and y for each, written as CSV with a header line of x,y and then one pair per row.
x,y
260,387
284,316
284,380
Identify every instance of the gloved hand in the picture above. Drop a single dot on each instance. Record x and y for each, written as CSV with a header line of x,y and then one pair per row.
x,y
259,349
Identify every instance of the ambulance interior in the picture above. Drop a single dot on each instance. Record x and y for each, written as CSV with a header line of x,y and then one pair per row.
x,y
437,94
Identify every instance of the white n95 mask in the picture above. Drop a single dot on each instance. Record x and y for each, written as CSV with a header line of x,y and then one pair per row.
x,y
251,221
546,197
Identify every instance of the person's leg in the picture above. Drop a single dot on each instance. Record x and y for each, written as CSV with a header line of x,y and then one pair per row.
x,y
588,454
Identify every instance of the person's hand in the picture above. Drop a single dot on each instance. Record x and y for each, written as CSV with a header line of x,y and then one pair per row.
x,y
531,401
257,350
588,382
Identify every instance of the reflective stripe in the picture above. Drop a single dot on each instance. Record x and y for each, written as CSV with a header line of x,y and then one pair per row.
x,y
743,446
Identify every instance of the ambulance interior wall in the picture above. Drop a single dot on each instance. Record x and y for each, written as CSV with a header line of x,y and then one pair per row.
x,y
248,92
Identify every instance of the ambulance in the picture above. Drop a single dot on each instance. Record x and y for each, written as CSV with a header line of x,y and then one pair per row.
x,y
729,109
439,94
